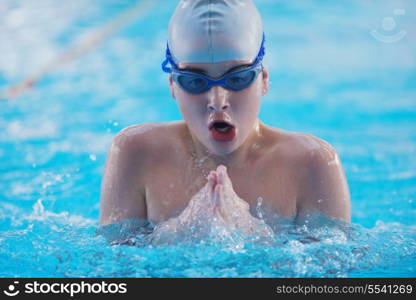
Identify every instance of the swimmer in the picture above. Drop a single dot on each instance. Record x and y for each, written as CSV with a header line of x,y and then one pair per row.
x,y
220,154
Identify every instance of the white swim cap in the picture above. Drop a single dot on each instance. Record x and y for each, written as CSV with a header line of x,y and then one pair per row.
x,y
210,31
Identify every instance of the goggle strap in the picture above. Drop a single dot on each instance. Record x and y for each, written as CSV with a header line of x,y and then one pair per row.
x,y
168,60
262,51
164,68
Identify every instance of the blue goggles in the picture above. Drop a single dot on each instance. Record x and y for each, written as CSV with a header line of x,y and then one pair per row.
x,y
196,83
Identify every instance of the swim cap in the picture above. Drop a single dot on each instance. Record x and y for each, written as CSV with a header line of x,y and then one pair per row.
x,y
210,31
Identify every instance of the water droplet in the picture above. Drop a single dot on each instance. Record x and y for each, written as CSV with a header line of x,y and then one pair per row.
x,y
255,146
201,160
258,207
93,157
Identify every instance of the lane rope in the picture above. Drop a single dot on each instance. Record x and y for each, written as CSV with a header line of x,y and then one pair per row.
x,y
91,39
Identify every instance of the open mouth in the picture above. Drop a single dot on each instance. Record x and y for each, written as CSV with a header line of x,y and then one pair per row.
x,y
222,131
221,126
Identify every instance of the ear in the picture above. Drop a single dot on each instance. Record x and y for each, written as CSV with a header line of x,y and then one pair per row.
x,y
172,90
265,80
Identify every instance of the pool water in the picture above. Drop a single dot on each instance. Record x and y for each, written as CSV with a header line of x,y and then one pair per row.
x,y
330,77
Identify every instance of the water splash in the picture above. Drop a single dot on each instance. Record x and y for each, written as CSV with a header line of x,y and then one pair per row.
x,y
259,202
66,245
231,224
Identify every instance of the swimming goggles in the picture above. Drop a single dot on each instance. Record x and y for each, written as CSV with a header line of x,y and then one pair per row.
x,y
195,83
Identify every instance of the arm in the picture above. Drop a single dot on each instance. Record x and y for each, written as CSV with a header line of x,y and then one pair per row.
x,y
324,187
122,189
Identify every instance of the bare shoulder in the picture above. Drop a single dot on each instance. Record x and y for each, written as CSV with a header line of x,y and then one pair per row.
x,y
147,145
146,138
302,147
322,184
137,135
313,149
132,154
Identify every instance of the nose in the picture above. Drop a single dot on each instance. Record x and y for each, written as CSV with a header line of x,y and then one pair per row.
x,y
218,98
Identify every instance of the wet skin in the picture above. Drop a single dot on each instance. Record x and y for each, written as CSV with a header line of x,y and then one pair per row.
x,y
153,170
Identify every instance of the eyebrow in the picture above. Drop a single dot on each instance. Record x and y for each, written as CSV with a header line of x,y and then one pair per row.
x,y
203,72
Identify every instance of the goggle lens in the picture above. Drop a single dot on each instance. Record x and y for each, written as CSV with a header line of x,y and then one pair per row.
x,y
196,84
241,80
192,84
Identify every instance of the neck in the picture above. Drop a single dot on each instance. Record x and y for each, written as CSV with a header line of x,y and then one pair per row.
x,y
234,159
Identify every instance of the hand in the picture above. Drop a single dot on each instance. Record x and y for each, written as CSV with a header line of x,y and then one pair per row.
x,y
234,211
225,201
215,203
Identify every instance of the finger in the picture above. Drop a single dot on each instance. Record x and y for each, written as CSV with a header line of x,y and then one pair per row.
x,y
215,177
222,173
212,176
219,198
209,175
210,183
221,168
216,197
218,191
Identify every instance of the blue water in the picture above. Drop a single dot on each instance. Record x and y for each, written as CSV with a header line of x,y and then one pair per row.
x,y
329,77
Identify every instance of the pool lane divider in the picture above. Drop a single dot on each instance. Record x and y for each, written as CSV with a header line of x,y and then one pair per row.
x,y
90,40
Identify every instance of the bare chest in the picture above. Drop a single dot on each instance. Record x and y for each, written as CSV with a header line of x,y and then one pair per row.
x,y
170,186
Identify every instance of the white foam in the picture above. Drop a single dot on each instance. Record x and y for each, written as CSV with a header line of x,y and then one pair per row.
x,y
199,219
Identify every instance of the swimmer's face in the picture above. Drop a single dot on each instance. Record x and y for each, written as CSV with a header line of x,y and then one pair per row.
x,y
240,108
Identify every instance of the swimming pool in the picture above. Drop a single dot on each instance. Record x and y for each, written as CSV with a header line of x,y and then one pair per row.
x,y
330,76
